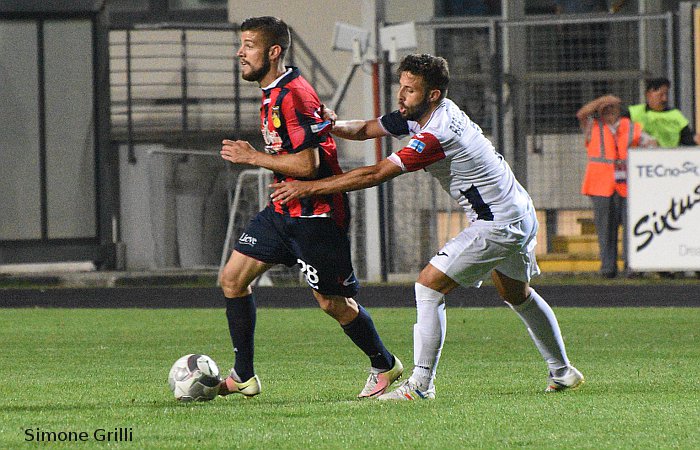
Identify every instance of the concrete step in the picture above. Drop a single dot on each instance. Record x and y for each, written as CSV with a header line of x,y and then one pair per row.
x,y
586,244
571,262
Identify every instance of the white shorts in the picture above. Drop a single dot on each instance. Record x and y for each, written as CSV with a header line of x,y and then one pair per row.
x,y
484,246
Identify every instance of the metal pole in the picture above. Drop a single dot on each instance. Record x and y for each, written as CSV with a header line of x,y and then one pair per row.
x,y
389,185
670,66
380,14
372,242
236,97
41,98
643,68
129,117
183,81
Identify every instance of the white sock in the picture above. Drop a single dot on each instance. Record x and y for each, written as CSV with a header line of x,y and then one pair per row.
x,y
544,330
428,334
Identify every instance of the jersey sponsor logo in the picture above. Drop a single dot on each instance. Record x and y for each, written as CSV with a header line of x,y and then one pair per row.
x,y
416,145
273,141
247,239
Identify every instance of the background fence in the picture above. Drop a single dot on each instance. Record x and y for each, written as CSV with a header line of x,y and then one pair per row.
x,y
522,81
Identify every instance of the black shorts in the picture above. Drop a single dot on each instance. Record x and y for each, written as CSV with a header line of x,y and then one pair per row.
x,y
317,244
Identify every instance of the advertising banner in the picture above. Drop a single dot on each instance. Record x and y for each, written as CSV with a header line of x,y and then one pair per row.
x,y
663,209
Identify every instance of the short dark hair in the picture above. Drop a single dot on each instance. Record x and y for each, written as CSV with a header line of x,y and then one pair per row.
x,y
653,84
274,31
433,69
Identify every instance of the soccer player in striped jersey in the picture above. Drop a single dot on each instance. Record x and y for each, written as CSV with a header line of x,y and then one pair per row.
x,y
311,232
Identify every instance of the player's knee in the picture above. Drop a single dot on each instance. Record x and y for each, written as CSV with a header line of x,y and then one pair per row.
x,y
325,304
511,290
427,295
340,308
514,297
331,307
232,285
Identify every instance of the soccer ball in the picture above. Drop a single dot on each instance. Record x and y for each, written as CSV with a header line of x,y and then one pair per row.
x,y
194,377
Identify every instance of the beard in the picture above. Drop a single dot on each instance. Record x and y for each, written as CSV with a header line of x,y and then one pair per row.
x,y
416,112
258,74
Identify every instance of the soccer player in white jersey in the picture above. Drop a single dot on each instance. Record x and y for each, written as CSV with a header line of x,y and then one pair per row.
x,y
500,239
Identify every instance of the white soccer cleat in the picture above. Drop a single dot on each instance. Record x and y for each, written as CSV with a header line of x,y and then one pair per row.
x,y
571,379
378,382
409,390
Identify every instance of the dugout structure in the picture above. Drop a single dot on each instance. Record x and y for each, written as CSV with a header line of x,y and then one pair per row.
x,y
58,176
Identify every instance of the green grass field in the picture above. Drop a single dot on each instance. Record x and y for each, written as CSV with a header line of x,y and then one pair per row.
x,y
84,370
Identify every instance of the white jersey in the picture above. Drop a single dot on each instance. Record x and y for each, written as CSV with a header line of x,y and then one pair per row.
x,y
454,150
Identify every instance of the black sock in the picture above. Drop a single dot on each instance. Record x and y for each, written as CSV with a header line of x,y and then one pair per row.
x,y
240,313
364,335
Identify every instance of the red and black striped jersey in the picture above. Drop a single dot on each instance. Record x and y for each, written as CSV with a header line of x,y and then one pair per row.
x,y
290,123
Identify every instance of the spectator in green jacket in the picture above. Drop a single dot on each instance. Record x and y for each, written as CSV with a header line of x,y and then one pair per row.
x,y
667,125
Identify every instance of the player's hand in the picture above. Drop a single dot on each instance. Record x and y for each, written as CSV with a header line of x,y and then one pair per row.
x,y
238,152
289,190
327,114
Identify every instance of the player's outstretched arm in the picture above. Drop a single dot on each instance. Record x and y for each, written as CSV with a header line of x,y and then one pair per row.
x,y
303,164
358,130
354,130
360,178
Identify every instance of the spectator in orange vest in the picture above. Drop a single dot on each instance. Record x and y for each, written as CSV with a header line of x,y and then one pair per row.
x,y
608,135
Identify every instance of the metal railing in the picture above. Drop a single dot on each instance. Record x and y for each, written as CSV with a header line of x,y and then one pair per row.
x,y
176,83
521,80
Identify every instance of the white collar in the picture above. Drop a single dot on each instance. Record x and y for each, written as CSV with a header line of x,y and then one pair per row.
x,y
274,83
